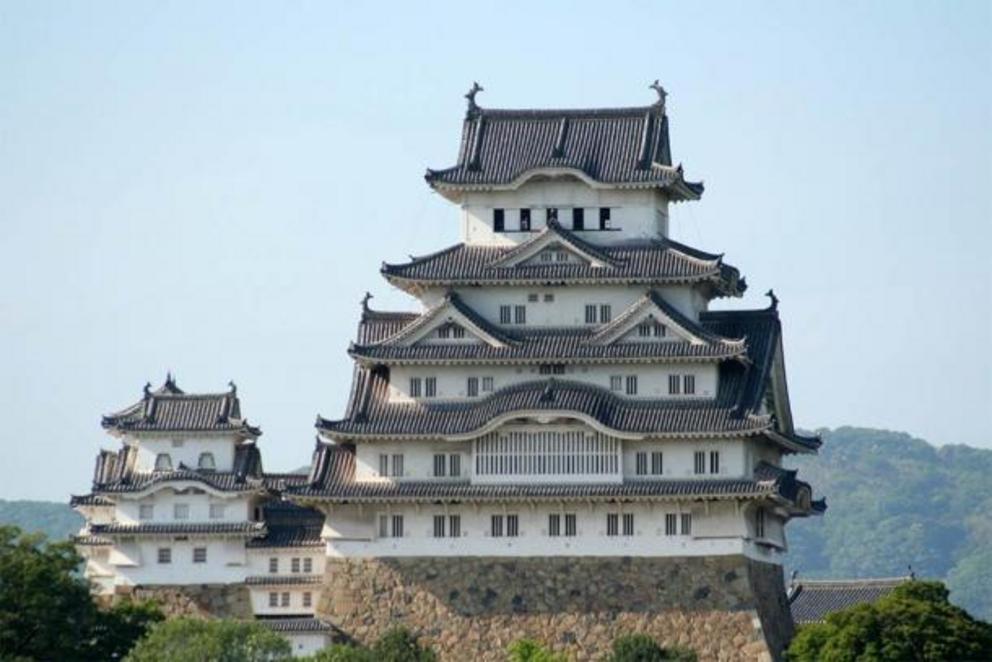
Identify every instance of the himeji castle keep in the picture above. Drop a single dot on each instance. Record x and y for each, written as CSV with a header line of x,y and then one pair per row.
x,y
564,442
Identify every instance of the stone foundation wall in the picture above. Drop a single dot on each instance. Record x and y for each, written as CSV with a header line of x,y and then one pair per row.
x,y
199,600
724,608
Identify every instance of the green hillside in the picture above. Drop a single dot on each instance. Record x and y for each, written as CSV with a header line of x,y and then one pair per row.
x,y
896,501
56,520
893,501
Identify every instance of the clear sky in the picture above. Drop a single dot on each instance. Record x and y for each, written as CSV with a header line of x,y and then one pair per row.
x,y
210,187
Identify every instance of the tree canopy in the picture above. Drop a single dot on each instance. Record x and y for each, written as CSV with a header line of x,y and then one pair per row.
x,y
195,640
913,623
47,612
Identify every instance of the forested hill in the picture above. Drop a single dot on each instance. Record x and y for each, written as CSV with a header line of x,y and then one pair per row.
x,y
895,501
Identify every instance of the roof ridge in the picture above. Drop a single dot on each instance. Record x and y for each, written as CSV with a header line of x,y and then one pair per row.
x,y
554,113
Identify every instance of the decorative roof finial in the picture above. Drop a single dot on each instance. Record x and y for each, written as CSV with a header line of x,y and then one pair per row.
x,y
148,389
472,106
234,387
771,295
656,86
365,301
168,378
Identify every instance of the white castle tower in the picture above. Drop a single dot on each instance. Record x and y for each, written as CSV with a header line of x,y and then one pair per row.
x,y
566,393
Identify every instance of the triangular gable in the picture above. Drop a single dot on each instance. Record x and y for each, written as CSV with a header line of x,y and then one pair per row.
x,y
651,307
554,237
450,311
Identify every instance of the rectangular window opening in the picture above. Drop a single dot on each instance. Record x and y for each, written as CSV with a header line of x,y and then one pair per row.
x,y
498,220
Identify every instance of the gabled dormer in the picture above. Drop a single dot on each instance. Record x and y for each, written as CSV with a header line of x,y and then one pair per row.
x,y
554,246
449,322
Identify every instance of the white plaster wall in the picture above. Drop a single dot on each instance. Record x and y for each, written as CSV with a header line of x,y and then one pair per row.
x,y
226,562
652,379
634,213
183,449
258,560
237,508
418,458
722,528
678,458
260,600
569,306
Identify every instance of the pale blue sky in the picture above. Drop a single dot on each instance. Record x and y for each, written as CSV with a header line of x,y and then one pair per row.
x,y
210,188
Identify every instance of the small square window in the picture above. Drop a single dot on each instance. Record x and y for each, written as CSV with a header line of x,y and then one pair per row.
x,y
199,555
549,298
273,565
165,555
533,297
273,599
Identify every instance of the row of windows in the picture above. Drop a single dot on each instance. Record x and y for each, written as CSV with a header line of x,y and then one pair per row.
x,y
657,466
551,215
426,387
604,310
699,462
391,465
451,331
447,465
296,565
165,555
512,314
677,384
282,599
163,462
180,511
559,525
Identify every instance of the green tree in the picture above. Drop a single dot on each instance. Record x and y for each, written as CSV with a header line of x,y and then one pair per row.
x,y
399,645
528,650
46,611
342,653
642,648
195,640
915,622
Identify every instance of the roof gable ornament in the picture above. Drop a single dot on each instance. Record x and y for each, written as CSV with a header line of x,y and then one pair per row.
x,y
662,94
774,300
473,108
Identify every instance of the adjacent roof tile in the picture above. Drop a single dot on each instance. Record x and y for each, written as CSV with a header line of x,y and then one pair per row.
x,y
812,601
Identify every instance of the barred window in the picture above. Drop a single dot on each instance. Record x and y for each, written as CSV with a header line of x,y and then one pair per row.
x,y
146,511
673,384
180,511
294,565
415,390
457,331
439,526
628,524
759,523
430,387
487,384
308,565
444,331
455,526
273,565
455,465
657,466
671,522
605,314
533,297
612,524
570,528
473,387
660,331
590,314
547,256
440,465
397,530
714,462
631,384
554,524
520,314
551,369
199,555
616,382
504,314
496,526
285,599
549,298
644,329
641,464
383,526
383,464
397,465
217,510
689,384
686,524
307,598
699,462
273,599
165,555
512,526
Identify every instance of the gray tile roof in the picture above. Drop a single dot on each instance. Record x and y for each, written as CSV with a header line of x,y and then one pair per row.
x,y
812,601
530,345
333,479
114,473
621,146
295,624
91,541
289,525
638,261
193,528
89,500
735,410
284,580
170,409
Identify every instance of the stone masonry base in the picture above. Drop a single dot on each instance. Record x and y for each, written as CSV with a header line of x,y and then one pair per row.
x,y
200,600
470,608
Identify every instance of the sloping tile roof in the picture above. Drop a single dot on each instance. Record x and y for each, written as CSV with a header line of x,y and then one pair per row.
x,y
289,525
114,473
295,624
193,528
89,500
620,146
812,601
170,409
636,261
333,479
